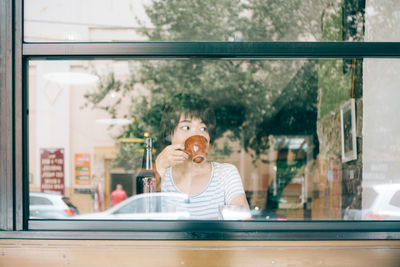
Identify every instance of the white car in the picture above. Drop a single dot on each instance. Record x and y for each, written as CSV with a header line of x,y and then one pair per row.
x,y
148,206
379,202
50,206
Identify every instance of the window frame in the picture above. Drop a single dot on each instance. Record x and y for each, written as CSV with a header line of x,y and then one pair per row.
x,y
14,189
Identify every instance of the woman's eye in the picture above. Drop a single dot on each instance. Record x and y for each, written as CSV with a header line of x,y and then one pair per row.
x,y
185,128
204,129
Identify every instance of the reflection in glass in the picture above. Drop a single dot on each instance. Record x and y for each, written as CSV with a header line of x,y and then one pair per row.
x,y
277,121
148,206
207,20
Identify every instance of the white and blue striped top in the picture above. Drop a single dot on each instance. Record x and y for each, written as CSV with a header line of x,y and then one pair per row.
x,y
225,184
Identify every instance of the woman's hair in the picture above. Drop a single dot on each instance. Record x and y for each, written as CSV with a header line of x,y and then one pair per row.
x,y
190,106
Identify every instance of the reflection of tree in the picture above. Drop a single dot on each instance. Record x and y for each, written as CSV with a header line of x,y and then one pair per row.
x,y
297,116
286,171
384,16
235,20
252,99
348,138
246,95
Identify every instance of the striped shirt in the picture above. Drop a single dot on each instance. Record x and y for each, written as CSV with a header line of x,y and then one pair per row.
x,y
225,184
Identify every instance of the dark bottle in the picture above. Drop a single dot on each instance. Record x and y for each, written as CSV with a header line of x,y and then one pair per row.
x,y
146,179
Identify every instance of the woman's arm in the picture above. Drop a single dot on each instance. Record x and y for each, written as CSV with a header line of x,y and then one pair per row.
x,y
241,201
170,156
233,187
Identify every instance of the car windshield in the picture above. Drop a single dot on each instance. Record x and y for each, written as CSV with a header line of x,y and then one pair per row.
x,y
34,200
152,203
395,200
370,196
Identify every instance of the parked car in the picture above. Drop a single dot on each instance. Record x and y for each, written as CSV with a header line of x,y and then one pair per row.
x,y
379,202
148,206
50,206
260,214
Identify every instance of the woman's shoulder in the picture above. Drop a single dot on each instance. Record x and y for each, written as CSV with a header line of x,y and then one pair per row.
x,y
226,173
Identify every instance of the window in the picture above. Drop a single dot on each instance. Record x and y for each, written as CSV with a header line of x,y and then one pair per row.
x,y
395,200
39,201
309,126
224,20
145,20
371,195
277,121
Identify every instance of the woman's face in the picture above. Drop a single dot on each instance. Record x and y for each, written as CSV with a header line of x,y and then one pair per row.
x,y
188,127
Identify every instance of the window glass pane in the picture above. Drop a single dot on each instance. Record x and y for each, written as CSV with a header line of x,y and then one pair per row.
x,y
295,139
207,20
370,196
395,200
39,201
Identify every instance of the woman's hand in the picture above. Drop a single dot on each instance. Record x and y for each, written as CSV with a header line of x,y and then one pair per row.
x,y
169,157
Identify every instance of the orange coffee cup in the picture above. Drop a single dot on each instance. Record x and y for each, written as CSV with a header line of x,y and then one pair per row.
x,y
196,148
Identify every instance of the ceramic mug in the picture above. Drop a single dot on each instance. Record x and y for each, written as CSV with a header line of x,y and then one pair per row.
x,y
196,148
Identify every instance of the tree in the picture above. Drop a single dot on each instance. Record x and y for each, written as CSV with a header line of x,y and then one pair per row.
x,y
252,99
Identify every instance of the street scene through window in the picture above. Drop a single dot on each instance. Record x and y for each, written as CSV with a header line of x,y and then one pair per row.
x,y
280,139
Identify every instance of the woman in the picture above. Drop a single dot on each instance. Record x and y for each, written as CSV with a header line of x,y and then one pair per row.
x,y
210,185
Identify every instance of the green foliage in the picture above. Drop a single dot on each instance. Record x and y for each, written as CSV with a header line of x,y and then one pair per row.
x,y
107,84
192,20
220,153
334,76
234,20
130,154
335,86
283,177
251,98
276,20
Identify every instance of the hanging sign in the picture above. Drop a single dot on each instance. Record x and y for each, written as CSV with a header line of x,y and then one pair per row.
x,y
82,168
52,170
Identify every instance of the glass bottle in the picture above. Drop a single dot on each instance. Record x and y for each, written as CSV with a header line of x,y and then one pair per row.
x,y
146,179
